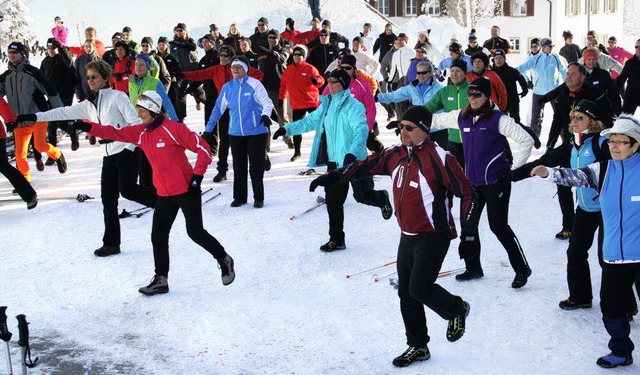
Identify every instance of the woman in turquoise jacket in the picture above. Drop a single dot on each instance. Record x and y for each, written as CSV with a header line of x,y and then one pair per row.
x,y
617,181
341,129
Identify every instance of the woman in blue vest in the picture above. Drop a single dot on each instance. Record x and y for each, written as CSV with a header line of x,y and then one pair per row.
x,y
618,182
485,130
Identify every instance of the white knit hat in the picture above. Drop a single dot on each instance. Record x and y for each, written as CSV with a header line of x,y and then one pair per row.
x,y
624,124
150,100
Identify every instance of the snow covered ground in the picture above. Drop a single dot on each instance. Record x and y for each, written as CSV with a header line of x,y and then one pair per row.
x,y
291,309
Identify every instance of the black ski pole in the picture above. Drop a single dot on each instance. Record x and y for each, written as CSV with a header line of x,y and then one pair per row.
x,y
23,334
210,199
5,335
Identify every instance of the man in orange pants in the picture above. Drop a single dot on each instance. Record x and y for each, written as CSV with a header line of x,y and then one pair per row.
x,y
28,91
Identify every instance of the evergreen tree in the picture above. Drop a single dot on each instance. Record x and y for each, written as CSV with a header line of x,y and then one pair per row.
x,y
16,18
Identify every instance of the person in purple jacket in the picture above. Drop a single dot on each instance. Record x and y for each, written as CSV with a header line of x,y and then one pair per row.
x,y
60,31
485,130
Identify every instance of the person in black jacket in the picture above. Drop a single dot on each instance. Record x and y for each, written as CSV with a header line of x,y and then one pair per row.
x,y
509,77
631,75
323,54
172,66
210,58
183,48
385,41
592,41
574,89
58,68
570,51
496,42
473,45
259,38
601,79
245,48
334,37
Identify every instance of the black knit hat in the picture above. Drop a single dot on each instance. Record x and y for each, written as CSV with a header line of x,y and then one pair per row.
x,y
419,115
460,64
535,41
455,48
213,27
126,29
274,32
301,48
349,60
341,76
53,42
289,21
472,36
163,39
481,84
480,55
567,34
123,44
499,52
209,37
326,23
344,51
263,20
181,25
117,36
228,49
16,46
588,107
148,40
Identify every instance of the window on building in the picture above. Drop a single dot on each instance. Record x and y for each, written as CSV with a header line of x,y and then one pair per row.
x,y
433,7
610,6
383,7
411,7
595,6
572,7
515,45
519,8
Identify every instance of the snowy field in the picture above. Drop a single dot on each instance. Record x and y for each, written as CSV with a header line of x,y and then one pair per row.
x,y
291,308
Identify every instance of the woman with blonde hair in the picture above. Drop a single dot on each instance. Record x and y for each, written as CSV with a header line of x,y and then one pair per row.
x,y
233,37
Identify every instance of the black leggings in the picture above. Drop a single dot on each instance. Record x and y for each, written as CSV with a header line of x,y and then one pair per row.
x,y
22,186
297,139
163,218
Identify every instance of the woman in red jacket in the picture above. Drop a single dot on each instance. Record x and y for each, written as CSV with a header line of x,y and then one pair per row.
x,y
178,184
301,81
21,185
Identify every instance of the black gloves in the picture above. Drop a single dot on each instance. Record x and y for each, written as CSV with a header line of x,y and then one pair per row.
x,y
394,125
265,120
524,92
375,97
279,133
178,74
207,136
530,85
467,237
29,117
82,126
314,80
348,159
11,125
326,179
194,185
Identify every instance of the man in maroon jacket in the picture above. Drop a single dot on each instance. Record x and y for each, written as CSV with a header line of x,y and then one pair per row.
x,y
422,174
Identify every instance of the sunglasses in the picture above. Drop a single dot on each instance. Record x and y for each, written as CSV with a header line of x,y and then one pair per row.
x,y
323,35
422,73
346,67
224,55
475,95
619,143
333,81
179,30
408,128
579,118
272,37
92,77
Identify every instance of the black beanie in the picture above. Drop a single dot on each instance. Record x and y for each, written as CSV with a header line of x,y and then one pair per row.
x,y
148,40
274,32
481,84
263,20
460,64
341,76
480,55
419,115
349,60
588,107
163,39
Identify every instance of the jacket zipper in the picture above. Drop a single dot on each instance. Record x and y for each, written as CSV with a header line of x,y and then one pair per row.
x,y
404,184
240,108
621,213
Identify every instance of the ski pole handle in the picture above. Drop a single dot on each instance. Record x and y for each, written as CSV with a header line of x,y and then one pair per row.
x,y
23,330
5,335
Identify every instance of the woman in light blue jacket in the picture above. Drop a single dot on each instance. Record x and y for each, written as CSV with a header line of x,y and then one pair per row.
x,y
249,110
341,129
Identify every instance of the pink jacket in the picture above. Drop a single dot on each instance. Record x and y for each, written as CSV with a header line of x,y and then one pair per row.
x,y
620,55
361,90
60,33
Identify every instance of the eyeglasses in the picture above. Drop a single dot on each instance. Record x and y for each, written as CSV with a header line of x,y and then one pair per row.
x,y
346,67
92,77
297,54
422,73
619,143
333,81
272,37
408,128
475,95
224,55
579,118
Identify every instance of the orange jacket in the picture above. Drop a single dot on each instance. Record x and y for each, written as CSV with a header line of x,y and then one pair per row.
x,y
78,51
122,69
296,81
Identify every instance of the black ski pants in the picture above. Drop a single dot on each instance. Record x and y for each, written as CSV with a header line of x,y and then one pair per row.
x,y
119,176
209,105
578,273
420,258
22,186
163,218
496,197
223,149
616,301
299,114
336,195
249,149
